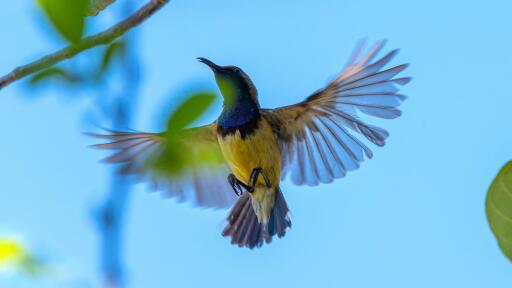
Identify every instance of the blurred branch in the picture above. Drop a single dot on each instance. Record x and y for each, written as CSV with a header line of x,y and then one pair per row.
x,y
95,6
102,38
113,210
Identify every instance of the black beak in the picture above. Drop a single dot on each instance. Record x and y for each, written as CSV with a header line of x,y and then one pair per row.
x,y
216,68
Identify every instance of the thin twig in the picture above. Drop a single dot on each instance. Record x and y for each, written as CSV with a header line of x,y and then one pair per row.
x,y
102,38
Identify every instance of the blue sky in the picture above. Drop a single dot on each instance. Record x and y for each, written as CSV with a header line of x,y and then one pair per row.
x,y
411,217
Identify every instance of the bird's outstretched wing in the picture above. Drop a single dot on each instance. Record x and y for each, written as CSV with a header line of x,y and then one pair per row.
x,y
316,136
146,156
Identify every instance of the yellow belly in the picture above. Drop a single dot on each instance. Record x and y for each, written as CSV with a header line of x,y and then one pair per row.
x,y
259,149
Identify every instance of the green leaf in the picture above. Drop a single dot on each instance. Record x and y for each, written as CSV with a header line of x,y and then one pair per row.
x,y
189,111
179,153
54,73
112,50
498,208
95,6
67,16
180,150
173,157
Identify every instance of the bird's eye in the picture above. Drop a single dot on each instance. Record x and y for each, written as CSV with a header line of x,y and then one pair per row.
x,y
237,70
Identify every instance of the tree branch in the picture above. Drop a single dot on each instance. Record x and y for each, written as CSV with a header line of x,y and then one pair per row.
x,y
102,38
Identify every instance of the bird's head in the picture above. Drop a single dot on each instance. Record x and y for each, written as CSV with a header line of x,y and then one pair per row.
x,y
233,83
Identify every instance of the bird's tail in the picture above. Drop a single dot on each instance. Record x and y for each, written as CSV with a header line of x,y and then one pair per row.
x,y
245,230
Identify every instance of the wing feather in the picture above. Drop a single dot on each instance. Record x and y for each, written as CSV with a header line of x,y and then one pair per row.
x,y
317,136
203,184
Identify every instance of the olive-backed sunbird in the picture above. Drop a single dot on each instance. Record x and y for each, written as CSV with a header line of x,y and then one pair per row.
x,y
313,140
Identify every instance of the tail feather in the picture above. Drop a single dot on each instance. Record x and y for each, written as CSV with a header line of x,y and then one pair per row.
x,y
245,230
280,219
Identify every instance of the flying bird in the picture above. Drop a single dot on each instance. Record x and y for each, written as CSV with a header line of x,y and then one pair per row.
x,y
314,141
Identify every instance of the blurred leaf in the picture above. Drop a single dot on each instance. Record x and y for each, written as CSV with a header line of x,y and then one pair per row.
x,y
54,73
189,111
32,266
173,157
499,209
14,254
67,16
95,6
111,50
11,251
181,149
178,154
207,155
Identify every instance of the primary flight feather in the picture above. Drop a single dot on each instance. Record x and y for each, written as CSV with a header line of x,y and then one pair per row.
x,y
314,141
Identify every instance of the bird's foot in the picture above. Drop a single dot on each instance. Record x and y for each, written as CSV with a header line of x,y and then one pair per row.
x,y
256,172
234,184
238,185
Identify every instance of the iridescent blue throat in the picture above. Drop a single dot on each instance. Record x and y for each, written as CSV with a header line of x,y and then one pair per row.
x,y
239,114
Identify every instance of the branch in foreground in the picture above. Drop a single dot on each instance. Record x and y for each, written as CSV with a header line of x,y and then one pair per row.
x,y
89,42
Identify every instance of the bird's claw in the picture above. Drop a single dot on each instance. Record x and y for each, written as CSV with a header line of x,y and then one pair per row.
x,y
235,184
238,185
256,172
